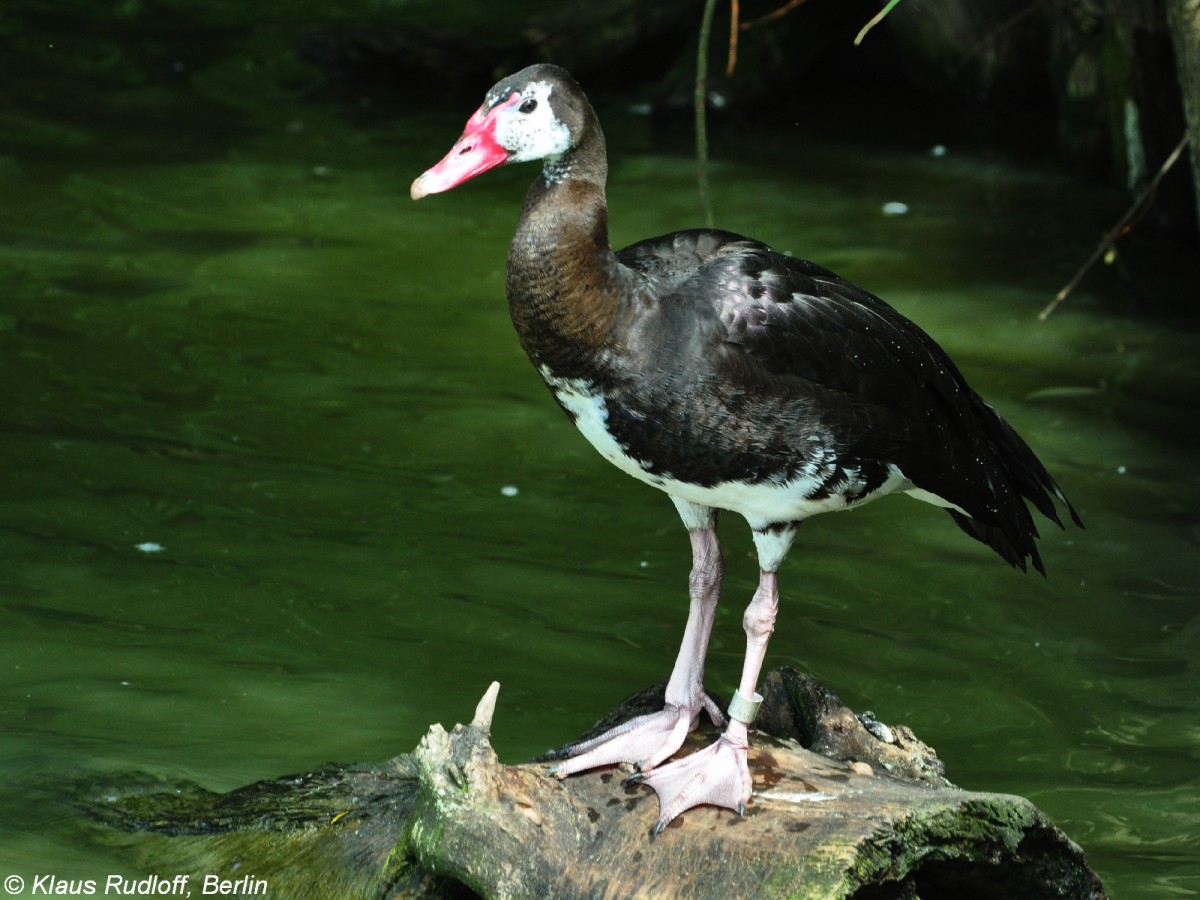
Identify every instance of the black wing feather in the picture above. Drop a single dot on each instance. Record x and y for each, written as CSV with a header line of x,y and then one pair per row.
x,y
879,383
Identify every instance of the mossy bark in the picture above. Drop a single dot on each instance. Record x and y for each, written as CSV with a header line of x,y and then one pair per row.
x,y
869,816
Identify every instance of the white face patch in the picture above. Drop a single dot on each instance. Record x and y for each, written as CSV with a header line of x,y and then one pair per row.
x,y
536,134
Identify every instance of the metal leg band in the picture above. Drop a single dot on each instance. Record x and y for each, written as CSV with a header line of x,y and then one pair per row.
x,y
742,709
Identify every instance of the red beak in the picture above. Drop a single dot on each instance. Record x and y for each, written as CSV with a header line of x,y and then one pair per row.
x,y
473,153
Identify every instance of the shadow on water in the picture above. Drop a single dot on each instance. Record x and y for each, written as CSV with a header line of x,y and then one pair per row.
x,y
280,486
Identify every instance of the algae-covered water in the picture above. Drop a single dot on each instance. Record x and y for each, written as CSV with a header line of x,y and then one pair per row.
x,y
278,485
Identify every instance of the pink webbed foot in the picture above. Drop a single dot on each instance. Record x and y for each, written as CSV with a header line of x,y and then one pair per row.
x,y
645,741
718,775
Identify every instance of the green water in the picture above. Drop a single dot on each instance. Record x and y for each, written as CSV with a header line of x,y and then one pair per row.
x,y
260,411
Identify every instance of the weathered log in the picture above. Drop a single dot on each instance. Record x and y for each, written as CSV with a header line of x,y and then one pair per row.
x,y
868,816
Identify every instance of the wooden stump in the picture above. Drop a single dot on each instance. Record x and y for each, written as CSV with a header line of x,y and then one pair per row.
x,y
868,816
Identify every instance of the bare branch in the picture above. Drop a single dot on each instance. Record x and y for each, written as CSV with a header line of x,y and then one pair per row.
x,y
1123,227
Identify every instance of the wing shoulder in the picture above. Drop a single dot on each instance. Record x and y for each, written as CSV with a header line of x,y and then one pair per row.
x,y
672,260
795,318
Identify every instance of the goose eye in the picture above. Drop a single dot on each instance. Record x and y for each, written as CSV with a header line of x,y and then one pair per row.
x,y
528,106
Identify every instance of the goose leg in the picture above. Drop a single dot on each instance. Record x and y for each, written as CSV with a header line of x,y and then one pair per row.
x,y
720,774
649,740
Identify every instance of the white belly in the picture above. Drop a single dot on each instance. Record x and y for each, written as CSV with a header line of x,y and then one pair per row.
x,y
761,503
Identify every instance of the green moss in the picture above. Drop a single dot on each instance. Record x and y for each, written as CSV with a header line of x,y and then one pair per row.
x,y
976,830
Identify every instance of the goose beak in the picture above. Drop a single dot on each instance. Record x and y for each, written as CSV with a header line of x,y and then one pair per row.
x,y
472,154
